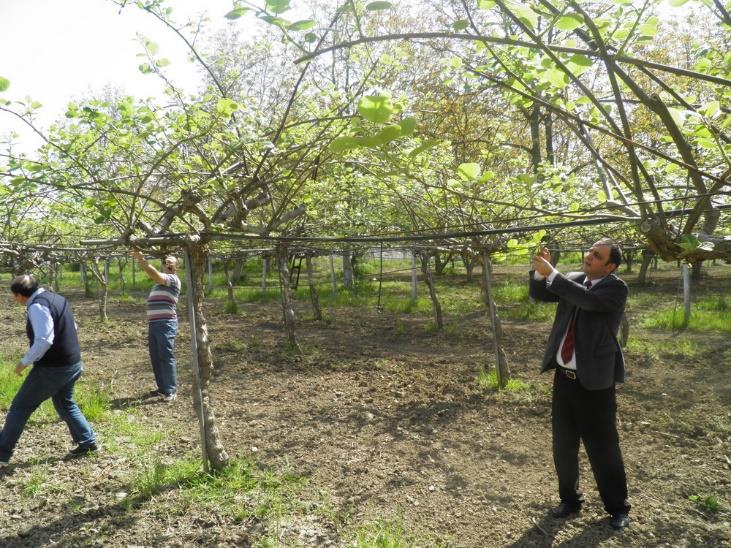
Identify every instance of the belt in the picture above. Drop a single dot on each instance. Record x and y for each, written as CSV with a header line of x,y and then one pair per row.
x,y
569,373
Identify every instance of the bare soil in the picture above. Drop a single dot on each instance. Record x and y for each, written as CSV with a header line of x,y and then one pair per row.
x,y
383,417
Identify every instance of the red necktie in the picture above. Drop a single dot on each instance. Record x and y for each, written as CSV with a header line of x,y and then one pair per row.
x,y
567,350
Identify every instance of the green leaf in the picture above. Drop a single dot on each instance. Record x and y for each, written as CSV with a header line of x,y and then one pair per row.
x,y
569,22
226,107
378,6
512,243
408,125
278,21
623,2
425,146
162,62
388,134
236,13
341,144
648,29
468,171
581,60
711,108
461,24
277,6
310,37
4,83
557,77
376,108
527,16
152,47
678,115
677,3
485,4
145,68
688,242
305,24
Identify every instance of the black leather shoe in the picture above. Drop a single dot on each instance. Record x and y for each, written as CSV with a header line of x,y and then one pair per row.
x,y
564,510
620,520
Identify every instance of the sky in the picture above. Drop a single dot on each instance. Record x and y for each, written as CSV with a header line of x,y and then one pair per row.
x,y
57,50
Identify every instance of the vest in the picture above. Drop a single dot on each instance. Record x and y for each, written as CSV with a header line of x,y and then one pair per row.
x,y
65,348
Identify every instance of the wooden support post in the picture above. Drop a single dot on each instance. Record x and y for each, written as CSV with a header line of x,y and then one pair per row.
x,y
314,293
414,294
501,360
685,271
197,394
209,289
333,279
264,262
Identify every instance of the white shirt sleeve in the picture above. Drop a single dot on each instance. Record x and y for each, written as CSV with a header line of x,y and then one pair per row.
x,y
42,323
551,277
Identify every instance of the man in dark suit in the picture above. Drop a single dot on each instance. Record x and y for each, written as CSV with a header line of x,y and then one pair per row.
x,y
584,351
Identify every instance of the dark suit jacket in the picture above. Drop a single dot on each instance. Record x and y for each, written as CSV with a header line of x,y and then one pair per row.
x,y
599,311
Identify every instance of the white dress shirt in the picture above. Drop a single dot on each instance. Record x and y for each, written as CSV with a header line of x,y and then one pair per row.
x,y
42,323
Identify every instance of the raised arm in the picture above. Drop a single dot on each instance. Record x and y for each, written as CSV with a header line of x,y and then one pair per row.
x,y
153,273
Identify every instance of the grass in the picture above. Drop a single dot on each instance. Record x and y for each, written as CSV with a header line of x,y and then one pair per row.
x,y
707,503
707,314
382,534
241,490
129,433
488,380
671,346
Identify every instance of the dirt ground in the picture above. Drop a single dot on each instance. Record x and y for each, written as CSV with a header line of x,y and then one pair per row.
x,y
385,420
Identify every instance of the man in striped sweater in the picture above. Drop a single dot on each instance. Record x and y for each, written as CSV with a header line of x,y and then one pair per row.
x,y
162,320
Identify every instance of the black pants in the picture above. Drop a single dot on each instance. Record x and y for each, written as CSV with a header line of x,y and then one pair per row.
x,y
589,416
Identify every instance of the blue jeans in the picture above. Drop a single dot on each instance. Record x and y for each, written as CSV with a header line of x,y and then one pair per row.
x,y
42,383
161,342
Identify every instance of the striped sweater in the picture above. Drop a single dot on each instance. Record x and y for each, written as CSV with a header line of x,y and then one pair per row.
x,y
162,299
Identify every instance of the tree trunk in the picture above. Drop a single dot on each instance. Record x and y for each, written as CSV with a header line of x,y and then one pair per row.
x,y
624,331
121,265
231,306
629,260
333,279
209,263
347,270
238,269
502,367
469,263
314,293
548,127
432,290
647,256
85,278
696,270
215,453
286,293
440,265
102,276
535,137
414,293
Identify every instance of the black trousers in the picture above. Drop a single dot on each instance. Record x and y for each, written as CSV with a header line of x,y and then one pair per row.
x,y
589,416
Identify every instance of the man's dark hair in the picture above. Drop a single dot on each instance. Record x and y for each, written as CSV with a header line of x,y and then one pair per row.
x,y
615,252
25,285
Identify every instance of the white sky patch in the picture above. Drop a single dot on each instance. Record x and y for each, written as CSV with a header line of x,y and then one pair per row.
x,y
56,51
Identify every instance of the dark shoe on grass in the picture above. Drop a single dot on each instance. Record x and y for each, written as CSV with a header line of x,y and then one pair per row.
x,y
564,510
619,521
85,449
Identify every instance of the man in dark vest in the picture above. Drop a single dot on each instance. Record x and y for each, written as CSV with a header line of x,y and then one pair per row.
x,y
584,351
56,359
